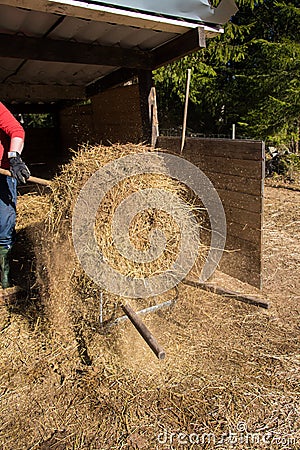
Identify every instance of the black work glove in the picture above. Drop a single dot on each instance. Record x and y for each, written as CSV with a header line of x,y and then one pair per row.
x,y
18,169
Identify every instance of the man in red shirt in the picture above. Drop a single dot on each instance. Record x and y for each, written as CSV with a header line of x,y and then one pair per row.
x,y
11,145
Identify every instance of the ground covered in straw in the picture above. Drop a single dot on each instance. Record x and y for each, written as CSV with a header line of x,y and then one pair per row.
x,y
230,378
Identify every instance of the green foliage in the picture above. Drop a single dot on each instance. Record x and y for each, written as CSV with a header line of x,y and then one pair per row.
x,y
44,120
286,165
291,163
249,76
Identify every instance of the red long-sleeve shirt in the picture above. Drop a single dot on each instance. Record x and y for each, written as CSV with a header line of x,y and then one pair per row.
x,y
9,128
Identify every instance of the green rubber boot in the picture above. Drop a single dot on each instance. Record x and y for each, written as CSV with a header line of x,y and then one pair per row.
x,y
4,267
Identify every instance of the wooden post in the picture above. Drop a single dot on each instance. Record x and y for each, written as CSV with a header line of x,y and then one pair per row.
x,y
227,293
144,331
187,93
233,131
153,116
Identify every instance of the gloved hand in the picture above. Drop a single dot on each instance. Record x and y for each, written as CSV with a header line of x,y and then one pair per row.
x,y
18,169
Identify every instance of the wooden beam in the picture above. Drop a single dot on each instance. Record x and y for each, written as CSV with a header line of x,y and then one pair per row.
x,y
189,42
113,79
42,49
36,93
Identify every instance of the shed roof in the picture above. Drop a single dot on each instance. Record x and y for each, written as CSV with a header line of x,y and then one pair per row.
x,y
190,10
52,50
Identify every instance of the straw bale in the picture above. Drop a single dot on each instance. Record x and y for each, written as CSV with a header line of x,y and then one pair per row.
x,y
65,277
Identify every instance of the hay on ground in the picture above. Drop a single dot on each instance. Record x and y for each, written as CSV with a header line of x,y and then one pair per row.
x,y
230,379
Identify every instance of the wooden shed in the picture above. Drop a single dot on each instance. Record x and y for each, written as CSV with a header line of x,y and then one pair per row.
x,y
56,54
77,59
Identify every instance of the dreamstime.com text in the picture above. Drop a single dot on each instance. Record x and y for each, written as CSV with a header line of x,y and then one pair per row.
x,y
240,435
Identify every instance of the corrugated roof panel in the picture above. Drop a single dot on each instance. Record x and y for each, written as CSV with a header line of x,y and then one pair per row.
x,y
109,34
31,23
42,72
118,35
137,37
80,30
11,19
70,28
14,20
156,39
37,24
84,22
130,37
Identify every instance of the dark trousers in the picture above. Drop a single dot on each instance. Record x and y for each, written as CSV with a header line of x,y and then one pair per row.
x,y
8,202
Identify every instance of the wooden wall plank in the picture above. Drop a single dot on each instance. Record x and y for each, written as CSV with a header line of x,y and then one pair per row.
x,y
236,169
112,116
241,149
227,166
76,126
237,232
244,232
242,266
234,183
240,200
244,217
226,148
117,115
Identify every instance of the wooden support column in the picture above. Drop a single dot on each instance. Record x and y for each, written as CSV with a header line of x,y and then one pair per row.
x,y
145,86
153,115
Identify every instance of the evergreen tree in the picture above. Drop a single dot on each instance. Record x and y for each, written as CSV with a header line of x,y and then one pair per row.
x,y
248,76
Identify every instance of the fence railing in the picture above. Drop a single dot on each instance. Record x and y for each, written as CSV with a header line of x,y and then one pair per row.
x,y
189,133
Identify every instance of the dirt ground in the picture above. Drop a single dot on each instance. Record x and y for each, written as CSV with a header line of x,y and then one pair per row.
x,y
230,379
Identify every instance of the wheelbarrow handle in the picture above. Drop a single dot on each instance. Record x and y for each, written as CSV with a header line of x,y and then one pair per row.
x,y
31,179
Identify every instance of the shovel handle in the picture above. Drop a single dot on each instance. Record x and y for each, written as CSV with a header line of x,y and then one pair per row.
x,y
32,179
